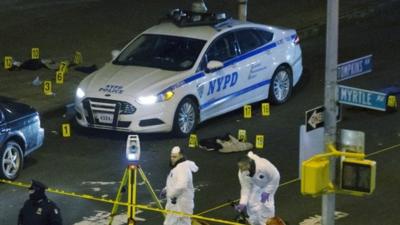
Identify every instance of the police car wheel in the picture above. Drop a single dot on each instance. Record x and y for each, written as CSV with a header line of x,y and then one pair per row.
x,y
186,117
281,85
11,160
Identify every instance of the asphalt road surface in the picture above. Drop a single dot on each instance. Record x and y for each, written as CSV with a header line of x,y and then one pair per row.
x,y
93,162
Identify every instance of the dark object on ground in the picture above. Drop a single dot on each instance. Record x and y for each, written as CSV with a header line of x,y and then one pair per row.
x,y
86,69
210,144
32,64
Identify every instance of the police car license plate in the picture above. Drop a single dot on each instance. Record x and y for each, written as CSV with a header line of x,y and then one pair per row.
x,y
105,117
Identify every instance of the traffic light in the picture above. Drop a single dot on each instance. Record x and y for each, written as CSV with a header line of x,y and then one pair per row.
x,y
357,176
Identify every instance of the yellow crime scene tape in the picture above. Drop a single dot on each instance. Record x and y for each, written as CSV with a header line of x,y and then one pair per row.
x,y
293,180
110,201
144,207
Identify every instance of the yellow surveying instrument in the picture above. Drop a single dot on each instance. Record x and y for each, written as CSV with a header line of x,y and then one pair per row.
x,y
129,180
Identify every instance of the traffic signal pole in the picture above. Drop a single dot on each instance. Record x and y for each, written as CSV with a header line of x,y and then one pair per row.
x,y
331,108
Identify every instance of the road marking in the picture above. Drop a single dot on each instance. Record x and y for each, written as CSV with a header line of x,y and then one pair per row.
x,y
316,219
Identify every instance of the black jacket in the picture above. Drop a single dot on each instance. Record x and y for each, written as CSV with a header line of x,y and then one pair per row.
x,y
42,212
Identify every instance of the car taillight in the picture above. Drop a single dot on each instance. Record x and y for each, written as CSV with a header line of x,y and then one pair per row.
x,y
296,40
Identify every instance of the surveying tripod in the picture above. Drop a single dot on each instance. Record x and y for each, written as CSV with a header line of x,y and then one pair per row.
x,y
129,180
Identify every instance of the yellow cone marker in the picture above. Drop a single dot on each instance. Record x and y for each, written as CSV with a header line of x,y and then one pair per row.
x,y
242,136
78,58
7,62
193,142
265,109
59,77
66,130
47,87
35,53
260,141
247,111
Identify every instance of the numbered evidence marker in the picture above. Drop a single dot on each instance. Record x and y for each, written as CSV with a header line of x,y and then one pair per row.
x,y
193,143
59,77
63,67
47,87
242,136
8,62
247,111
78,58
265,109
35,54
66,130
392,102
259,141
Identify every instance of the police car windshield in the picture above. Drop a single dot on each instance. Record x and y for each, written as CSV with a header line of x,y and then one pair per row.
x,y
161,51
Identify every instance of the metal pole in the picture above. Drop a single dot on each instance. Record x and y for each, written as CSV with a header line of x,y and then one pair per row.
x,y
328,200
242,10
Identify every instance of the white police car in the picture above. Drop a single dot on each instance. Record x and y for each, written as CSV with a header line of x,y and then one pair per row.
x,y
185,71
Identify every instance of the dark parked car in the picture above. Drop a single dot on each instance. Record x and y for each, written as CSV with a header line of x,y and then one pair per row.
x,y
20,135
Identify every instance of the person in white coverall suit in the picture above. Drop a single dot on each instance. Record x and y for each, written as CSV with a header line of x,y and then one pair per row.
x,y
179,189
259,180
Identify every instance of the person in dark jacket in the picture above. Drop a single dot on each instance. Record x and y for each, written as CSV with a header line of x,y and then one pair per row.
x,y
38,209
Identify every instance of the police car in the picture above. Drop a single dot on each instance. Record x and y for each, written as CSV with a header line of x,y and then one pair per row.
x,y
188,69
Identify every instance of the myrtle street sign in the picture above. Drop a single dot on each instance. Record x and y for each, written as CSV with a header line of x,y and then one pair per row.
x,y
354,68
362,98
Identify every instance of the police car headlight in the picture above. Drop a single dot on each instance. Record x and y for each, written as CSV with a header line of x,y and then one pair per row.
x,y
80,93
147,100
151,99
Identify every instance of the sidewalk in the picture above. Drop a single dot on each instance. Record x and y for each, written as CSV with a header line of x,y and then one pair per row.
x,y
307,16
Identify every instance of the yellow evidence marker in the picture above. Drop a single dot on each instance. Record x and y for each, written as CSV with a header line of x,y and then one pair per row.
x,y
242,136
66,130
7,62
260,141
35,53
59,77
47,87
265,109
247,111
193,142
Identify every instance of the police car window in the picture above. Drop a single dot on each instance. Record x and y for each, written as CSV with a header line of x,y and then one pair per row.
x,y
222,49
161,51
248,40
264,35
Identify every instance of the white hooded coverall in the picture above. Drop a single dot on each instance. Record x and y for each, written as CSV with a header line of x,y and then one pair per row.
x,y
265,179
180,186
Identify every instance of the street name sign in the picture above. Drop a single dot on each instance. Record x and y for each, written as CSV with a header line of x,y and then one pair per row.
x,y
362,98
354,68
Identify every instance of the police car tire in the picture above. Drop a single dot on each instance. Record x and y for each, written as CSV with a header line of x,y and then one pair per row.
x,y
272,97
5,149
176,128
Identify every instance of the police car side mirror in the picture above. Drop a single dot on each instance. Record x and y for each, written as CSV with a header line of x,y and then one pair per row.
x,y
214,65
115,53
